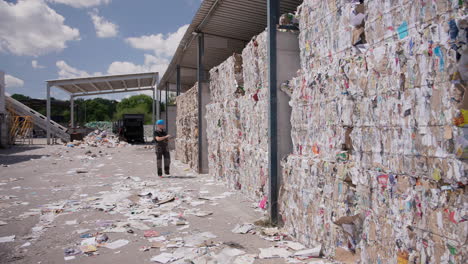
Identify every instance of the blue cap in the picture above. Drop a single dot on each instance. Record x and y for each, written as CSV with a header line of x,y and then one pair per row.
x,y
160,122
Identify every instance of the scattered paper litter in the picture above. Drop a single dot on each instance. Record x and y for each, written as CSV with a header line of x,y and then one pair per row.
x,y
157,239
271,231
27,244
88,248
88,241
243,229
197,203
197,239
73,222
151,233
81,231
117,244
7,239
157,245
245,259
309,253
139,225
273,252
2,223
203,213
163,258
292,245
69,257
228,254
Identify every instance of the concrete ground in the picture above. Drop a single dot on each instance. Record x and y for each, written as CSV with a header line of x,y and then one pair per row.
x,y
53,197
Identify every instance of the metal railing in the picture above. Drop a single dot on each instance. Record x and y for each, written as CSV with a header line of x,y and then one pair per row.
x,y
37,119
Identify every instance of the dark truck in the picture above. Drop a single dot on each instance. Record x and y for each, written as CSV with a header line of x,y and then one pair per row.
x,y
130,128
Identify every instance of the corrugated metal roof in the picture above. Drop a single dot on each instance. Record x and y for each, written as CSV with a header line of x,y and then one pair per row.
x,y
228,25
110,83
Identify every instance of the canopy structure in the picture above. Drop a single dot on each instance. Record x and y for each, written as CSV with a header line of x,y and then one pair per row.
x,y
227,26
110,84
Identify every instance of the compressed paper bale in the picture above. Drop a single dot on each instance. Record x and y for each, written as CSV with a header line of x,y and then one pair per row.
x,y
187,127
360,114
227,81
395,96
255,64
237,127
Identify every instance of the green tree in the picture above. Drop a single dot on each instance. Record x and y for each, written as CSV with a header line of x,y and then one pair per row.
x,y
20,97
171,99
137,104
97,109
136,100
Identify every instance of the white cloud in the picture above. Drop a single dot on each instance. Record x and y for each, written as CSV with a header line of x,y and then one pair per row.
x,y
30,27
151,64
160,44
13,82
68,72
81,3
163,47
36,65
104,28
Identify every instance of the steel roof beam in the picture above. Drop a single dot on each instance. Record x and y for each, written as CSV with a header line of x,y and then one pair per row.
x,y
94,86
208,16
101,79
78,88
113,92
109,86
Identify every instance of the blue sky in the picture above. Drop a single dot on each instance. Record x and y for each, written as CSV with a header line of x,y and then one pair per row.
x,y
51,39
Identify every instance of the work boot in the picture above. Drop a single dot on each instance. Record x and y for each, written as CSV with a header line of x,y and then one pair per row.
x,y
167,172
160,174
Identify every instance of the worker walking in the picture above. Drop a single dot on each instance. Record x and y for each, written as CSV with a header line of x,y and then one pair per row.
x,y
162,149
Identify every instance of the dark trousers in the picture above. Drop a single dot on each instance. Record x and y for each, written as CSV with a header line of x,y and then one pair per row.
x,y
160,153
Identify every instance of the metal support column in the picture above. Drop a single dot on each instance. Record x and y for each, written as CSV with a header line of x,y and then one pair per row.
x,y
154,109
48,113
178,79
273,16
166,108
72,111
159,104
201,79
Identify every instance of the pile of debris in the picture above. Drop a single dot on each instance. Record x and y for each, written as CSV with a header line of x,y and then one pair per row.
x,y
99,138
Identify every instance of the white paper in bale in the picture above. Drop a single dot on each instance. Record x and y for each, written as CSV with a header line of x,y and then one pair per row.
x,y
373,131
227,80
187,127
237,121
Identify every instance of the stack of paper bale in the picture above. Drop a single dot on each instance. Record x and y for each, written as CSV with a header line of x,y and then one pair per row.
x,y
237,120
187,127
375,168
255,58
